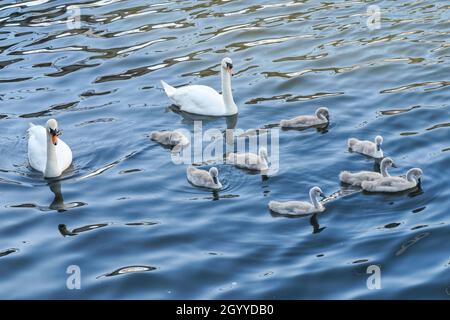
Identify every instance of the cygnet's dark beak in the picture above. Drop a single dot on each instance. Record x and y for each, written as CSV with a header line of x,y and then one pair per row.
x,y
378,147
216,181
323,195
394,165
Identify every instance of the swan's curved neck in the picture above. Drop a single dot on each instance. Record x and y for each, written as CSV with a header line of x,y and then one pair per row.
x,y
51,167
314,201
411,177
383,170
227,95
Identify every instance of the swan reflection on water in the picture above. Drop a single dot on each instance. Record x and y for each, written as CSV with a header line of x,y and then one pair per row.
x,y
58,200
313,220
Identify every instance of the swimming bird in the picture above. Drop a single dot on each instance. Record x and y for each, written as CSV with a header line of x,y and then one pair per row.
x,y
169,138
356,178
366,147
202,178
204,100
395,184
250,161
46,152
321,117
300,207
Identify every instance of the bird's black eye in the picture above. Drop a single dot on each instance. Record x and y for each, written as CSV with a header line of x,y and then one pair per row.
x,y
229,65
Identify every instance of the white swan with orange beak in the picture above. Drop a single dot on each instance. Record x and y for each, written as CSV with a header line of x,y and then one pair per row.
x,y
47,153
204,100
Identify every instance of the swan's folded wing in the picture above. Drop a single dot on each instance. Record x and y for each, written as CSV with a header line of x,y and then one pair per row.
x,y
37,147
388,184
248,159
290,207
370,148
199,100
64,155
392,181
199,177
304,121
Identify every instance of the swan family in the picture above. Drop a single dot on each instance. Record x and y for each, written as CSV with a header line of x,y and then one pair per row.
x,y
51,156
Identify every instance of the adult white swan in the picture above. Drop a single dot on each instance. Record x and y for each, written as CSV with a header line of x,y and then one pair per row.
x,y
394,184
300,207
356,178
204,100
46,152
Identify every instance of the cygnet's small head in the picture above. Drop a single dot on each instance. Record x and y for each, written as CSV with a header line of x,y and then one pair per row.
x,y
214,173
316,192
416,174
154,135
388,162
227,65
378,142
323,113
52,128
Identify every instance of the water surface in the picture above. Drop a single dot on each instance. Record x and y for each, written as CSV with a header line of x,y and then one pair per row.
x,y
125,214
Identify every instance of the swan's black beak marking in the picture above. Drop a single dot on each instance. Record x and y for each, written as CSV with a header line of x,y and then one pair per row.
x,y
378,147
55,132
216,181
230,68
394,165
323,195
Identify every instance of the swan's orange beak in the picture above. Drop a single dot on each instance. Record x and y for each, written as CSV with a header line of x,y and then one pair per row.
x,y
230,71
54,139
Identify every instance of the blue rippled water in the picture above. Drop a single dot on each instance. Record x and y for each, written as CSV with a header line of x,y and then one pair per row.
x,y
125,214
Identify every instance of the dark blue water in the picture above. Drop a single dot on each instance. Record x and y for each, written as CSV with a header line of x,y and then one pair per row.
x,y
124,203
